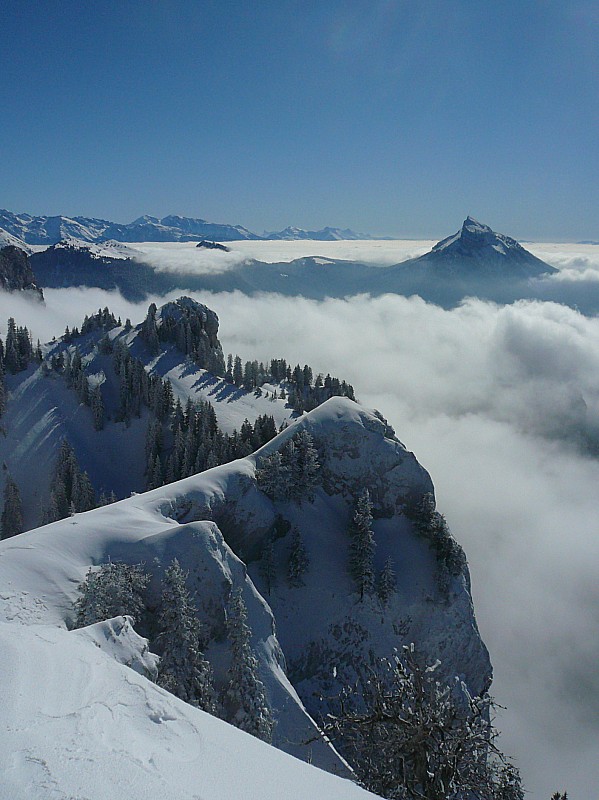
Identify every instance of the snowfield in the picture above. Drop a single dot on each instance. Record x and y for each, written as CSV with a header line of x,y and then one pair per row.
x,y
77,725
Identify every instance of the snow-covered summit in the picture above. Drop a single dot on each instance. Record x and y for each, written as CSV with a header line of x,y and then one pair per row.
x,y
477,246
327,234
107,249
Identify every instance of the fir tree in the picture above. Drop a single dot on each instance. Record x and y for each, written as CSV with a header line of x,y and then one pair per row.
x,y
362,545
299,561
70,488
97,407
273,476
183,669
237,371
305,467
245,697
113,590
12,513
387,582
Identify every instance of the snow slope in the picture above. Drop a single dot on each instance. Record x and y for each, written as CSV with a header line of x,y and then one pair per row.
x,y
78,725
42,411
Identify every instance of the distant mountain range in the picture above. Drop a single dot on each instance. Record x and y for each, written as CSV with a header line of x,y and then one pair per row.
x,y
51,230
473,261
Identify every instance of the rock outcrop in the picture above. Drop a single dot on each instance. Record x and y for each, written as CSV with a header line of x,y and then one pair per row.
x,y
16,274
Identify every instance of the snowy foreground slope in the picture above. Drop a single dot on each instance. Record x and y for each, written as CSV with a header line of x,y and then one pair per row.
x,y
76,724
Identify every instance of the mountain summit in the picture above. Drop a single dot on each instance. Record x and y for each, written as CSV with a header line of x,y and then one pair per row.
x,y
477,248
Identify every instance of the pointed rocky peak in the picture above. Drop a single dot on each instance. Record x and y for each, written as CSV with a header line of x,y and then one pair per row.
x,y
473,226
478,246
146,219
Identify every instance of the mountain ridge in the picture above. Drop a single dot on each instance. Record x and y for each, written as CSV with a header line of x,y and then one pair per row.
x,y
49,230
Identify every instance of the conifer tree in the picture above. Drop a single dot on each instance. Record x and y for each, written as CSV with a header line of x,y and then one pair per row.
x,y
12,513
97,407
305,467
183,669
362,545
387,582
299,561
245,697
273,476
237,371
70,488
113,590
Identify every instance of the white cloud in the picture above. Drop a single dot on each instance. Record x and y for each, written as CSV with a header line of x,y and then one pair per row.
x,y
185,257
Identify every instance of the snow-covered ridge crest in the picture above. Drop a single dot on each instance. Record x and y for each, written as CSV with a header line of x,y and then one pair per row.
x,y
107,249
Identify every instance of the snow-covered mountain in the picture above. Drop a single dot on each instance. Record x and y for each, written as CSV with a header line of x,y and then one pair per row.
x,y
477,247
7,239
40,230
310,637
51,230
476,251
326,234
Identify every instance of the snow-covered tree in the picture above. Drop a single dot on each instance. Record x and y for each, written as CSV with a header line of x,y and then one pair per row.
x,y
273,476
245,696
299,560
411,737
362,545
387,585
183,669
432,526
305,467
12,512
113,590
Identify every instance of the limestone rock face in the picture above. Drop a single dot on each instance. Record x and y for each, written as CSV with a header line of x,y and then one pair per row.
x,y
16,274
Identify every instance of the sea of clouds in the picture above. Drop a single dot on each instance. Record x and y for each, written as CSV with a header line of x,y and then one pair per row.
x,y
501,405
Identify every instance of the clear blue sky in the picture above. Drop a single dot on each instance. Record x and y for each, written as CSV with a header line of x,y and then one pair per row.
x,y
389,117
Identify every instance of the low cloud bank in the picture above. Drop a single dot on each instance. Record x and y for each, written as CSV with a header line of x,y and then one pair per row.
x,y
501,405
186,258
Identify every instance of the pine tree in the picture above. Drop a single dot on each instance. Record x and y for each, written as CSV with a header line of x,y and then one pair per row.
x,y
305,467
183,669
70,488
299,561
362,545
237,371
12,513
155,478
97,406
113,590
273,477
387,582
245,698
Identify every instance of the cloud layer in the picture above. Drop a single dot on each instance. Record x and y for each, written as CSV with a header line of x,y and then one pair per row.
x,y
501,404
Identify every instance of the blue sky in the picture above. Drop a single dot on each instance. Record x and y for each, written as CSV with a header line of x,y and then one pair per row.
x,y
390,117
